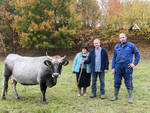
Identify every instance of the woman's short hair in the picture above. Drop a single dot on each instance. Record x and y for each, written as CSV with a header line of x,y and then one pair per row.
x,y
84,47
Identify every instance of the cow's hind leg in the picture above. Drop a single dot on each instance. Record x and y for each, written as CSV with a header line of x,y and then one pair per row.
x,y
14,83
43,88
6,75
4,87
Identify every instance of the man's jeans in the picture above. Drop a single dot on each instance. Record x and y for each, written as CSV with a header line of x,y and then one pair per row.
x,y
102,82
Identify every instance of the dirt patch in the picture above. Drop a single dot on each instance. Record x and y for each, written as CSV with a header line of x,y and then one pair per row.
x,y
69,53
142,45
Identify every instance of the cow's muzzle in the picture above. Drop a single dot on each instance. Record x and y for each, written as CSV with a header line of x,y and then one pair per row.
x,y
55,75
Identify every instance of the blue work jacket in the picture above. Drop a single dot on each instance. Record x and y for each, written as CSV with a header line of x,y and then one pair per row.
x,y
123,53
104,59
77,64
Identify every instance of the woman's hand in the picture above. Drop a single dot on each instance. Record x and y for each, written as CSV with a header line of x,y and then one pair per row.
x,y
113,71
105,71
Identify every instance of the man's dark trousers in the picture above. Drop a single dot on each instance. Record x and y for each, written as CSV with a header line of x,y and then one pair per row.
x,y
102,82
123,71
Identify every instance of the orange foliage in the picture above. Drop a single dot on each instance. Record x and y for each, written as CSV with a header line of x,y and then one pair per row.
x,y
114,7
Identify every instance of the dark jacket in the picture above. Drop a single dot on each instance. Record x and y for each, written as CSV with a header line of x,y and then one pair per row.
x,y
104,59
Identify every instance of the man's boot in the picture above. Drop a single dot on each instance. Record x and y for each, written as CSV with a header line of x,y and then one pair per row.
x,y
116,92
93,95
130,92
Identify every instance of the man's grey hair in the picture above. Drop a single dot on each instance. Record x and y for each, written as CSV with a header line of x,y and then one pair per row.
x,y
122,35
96,40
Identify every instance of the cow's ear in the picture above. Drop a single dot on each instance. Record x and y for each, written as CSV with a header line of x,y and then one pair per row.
x,y
65,62
47,63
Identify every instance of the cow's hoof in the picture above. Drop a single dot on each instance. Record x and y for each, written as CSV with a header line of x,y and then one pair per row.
x,y
17,98
3,98
45,103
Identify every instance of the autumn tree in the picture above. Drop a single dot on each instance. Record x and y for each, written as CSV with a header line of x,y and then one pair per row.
x,y
120,16
45,23
89,13
110,19
8,34
137,12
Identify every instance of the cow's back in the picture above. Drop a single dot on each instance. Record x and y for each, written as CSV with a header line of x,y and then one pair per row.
x,y
25,69
10,60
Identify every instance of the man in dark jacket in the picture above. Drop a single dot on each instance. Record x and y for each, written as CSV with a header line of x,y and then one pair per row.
x,y
122,65
99,65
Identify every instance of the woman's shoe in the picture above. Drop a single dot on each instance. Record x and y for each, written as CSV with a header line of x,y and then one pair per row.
x,y
84,94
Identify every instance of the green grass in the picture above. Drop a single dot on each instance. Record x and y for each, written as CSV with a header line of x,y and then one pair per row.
x,y
63,97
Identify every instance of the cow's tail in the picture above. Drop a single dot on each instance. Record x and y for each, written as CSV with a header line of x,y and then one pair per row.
x,y
6,76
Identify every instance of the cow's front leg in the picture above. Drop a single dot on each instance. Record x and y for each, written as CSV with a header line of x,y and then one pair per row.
x,y
43,88
14,83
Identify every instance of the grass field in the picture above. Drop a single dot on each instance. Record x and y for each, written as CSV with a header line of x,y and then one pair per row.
x,y
63,97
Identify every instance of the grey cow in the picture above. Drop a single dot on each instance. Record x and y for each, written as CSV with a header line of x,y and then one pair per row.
x,y
42,70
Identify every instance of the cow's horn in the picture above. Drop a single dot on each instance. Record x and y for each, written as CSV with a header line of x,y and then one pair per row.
x,y
49,56
63,58
46,53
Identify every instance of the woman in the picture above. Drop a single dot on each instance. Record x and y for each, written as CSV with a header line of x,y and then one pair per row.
x,y
83,81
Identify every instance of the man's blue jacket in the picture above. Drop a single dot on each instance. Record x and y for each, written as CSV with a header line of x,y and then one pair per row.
x,y
123,53
104,59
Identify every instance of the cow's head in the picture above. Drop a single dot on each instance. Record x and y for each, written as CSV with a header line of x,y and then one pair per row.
x,y
55,63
